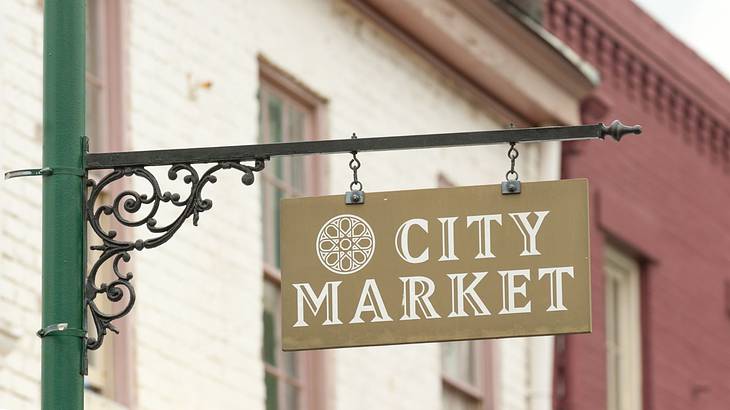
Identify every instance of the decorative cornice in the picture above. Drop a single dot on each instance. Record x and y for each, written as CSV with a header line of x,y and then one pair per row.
x,y
500,55
643,80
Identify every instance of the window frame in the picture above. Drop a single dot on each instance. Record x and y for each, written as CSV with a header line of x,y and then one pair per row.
x,y
114,377
310,365
623,381
482,392
110,78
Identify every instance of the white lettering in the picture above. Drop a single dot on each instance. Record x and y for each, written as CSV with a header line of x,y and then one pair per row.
x,y
413,297
556,285
305,293
447,239
485,233
509,290
459,294
529,232
401,241
371,301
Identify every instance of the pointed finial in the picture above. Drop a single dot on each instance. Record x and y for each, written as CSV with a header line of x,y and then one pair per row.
x,y
617,130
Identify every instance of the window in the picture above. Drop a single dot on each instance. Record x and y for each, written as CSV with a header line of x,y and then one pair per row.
x,y
288,112
108,369
459,369
623,331
100,361
95,78
283,379
465,366
283,119
466,372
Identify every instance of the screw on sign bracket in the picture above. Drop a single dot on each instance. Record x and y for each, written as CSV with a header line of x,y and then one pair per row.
x,y
354,197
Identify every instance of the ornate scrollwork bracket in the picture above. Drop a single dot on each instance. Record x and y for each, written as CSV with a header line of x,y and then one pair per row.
x,y
122,209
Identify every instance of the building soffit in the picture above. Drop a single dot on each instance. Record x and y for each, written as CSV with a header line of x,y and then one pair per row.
x,y
496,52
555,45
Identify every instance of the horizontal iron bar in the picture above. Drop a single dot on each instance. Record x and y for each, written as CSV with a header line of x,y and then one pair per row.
x,y
266,151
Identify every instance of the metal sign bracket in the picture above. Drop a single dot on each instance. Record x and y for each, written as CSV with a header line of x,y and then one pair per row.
x,y
125,205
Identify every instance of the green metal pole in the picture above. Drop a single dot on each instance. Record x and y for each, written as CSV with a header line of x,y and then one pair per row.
x,y
62,384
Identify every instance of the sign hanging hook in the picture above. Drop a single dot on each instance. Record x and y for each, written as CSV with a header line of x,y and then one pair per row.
x,y
355,195
512,184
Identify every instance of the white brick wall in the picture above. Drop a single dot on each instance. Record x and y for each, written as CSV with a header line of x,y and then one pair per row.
x,y
198,315
20,203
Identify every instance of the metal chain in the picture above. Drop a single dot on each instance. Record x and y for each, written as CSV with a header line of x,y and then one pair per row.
x,y
354,166
512,154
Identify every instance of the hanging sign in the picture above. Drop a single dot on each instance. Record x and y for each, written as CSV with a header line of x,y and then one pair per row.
x,y
435,265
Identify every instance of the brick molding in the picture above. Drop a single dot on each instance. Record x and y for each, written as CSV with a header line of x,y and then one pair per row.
x,y
648,82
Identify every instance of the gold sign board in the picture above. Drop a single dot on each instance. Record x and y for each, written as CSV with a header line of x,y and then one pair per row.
x,y
435,265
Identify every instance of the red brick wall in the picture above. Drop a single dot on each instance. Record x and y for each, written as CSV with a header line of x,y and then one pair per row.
x,y
664,194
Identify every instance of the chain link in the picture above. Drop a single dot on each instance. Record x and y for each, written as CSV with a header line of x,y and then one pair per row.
x,y
354,166
512,154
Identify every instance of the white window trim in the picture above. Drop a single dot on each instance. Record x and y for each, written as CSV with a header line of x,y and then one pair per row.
x,y
625,271
278,82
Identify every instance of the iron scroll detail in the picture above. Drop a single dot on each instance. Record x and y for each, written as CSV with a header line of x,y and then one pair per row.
x,y
122,209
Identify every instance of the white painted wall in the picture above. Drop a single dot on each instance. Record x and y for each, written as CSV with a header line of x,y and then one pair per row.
x,y
20,203
198,315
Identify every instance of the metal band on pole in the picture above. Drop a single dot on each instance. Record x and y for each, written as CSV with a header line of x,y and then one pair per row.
x,y
62,384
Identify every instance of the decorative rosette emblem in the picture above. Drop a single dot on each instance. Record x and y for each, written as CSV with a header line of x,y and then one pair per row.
x,y
345,244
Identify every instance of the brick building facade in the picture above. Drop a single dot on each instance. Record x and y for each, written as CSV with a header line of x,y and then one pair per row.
x,y
660,220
